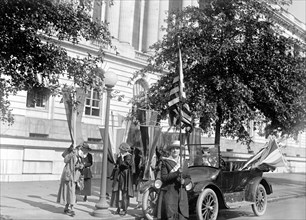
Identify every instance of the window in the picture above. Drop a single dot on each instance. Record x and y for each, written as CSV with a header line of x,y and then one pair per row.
x,y
98,140
141,86
92,103
38,98
36,135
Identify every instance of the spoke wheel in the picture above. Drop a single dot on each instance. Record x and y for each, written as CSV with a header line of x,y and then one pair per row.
x,y
207,205
260,205
149,202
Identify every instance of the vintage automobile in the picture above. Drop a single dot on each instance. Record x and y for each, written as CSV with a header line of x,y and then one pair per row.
x,y
213,189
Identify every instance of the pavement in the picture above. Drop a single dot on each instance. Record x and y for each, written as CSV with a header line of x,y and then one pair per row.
x,y
37,200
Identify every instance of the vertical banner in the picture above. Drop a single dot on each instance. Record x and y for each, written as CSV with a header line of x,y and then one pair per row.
x,y
150,137
78,110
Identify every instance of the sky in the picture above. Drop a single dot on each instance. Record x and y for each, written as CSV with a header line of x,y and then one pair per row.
x,y
298,9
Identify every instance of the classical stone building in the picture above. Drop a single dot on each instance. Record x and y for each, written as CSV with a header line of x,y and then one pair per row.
x,y
31,148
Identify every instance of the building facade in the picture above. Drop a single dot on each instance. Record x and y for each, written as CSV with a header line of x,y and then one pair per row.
x,y
31,148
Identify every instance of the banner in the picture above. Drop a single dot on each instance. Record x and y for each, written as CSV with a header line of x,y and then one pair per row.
x,y
74,113
150,138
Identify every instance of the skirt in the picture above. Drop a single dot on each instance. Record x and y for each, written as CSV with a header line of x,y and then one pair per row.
x,y
66,193
87,188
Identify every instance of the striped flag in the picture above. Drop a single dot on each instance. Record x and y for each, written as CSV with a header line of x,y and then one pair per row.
x,y
177,95
268,157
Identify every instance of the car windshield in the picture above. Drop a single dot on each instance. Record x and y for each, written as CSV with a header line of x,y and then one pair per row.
x,y
202,155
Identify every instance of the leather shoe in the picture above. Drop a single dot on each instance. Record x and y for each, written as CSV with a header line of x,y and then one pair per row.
x,y
122,213
117,212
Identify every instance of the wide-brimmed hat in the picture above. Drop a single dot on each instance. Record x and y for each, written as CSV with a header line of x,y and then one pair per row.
x,y
125,147
86,146
174,144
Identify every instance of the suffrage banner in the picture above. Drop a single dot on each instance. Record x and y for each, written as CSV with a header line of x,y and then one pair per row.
x,y
74,112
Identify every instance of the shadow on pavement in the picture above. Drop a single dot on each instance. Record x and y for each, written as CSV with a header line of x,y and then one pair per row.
x,y
40,205
5,217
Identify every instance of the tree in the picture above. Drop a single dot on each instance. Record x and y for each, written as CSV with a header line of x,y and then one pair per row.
x,y
237,66
31,53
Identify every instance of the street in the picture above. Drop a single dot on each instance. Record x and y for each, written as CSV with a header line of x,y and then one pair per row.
x,y
37,200
292,209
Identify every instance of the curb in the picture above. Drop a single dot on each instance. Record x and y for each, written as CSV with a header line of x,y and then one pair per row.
x,y
275,199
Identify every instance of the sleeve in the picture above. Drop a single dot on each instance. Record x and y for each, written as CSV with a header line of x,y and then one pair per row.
x,y
166,176
68,157
88,163
126,163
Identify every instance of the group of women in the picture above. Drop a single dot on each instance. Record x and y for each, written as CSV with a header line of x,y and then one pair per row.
x,y
174,204
173,196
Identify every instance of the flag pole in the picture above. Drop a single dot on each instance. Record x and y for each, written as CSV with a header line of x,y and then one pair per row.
x,y
180,99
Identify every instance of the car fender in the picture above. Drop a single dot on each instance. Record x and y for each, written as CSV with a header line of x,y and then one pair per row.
x,y
250,190
200,187
146,186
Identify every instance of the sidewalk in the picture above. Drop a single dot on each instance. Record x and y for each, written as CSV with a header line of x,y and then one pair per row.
x,y
37,200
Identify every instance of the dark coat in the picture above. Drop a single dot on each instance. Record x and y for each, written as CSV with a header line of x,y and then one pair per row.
x,y
174,204
122,175
87,161
122,181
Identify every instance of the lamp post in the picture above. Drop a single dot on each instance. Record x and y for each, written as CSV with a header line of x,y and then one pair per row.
x,y
102,206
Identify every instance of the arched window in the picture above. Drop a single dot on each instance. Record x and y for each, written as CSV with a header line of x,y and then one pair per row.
x,y
140,94
140,87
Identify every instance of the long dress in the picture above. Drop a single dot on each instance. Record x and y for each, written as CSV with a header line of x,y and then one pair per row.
x,y
67,190
173,201
122,188
87,161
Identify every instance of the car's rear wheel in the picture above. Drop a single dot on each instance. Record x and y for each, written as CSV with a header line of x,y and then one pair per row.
x,y
260,205
149,202
207,205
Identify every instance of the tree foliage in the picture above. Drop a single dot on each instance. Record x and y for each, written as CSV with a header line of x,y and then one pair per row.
x,y
238,66
32,38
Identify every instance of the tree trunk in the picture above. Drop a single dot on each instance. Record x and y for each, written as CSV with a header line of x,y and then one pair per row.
x,y
218,126
218,131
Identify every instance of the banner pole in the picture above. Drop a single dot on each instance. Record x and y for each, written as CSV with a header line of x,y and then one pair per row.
x,y
74,106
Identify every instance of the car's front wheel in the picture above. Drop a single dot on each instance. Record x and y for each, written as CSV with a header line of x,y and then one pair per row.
x,y
260,205
207,205
149,202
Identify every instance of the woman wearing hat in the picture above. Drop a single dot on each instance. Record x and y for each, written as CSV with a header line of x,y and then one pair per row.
x,y
87,161
122,180
69,179
174,203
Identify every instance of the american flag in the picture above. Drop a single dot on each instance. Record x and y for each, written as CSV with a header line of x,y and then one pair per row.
x,y
269,157
177,100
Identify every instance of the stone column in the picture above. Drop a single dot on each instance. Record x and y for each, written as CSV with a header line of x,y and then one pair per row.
x,y
113,12
97,11
175,5
186,3
150,27
163,14
126,19
195,3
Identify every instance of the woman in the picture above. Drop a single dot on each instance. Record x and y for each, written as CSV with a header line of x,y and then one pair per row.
x,y
122,180
87,161
173,201
69,179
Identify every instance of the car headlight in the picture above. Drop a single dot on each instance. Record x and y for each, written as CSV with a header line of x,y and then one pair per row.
x,y
189,186
158,183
